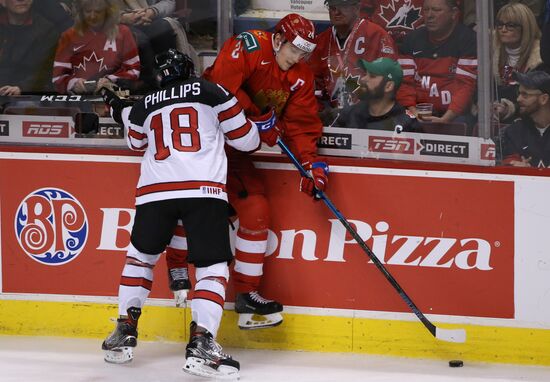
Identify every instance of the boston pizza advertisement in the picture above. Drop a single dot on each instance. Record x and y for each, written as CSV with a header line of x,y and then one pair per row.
x,y
449,241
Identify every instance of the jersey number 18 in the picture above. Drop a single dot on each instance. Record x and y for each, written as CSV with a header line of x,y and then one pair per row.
x,y
185,135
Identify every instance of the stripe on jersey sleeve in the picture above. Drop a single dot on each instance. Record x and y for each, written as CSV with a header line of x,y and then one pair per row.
x,y
230,112
240,131
232,119
136,140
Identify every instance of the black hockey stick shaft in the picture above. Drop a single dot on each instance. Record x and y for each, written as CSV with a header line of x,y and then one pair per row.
x,y
321,195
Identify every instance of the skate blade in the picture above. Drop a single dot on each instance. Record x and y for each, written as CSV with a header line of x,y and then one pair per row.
x,y
119,355
197,366
180,296
248,321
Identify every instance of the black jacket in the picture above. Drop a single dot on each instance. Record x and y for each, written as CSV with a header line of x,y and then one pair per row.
x,y
52,11
545,45
27,53
523,139
358,117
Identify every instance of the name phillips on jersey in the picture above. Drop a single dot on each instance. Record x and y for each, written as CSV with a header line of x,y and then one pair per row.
x,y
175,92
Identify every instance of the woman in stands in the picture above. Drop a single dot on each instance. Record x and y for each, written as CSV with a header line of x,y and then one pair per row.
x,y
97,51
516,49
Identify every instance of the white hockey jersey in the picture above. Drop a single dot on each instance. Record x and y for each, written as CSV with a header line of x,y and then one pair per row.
x,y
183,129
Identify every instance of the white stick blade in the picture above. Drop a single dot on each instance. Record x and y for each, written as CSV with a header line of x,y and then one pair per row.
x,y
450,335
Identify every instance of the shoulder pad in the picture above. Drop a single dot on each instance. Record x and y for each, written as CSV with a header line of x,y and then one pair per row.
x,y
250,40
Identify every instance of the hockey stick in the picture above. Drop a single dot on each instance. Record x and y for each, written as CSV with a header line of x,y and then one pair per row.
x,y
449,335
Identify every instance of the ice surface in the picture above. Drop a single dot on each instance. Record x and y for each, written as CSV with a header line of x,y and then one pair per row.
x,y
44,359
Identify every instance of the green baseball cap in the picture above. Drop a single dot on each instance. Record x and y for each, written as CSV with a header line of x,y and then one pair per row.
x,y
386,67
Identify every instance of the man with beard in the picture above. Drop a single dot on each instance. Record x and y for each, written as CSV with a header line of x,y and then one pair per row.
x,y
334,61
526,143
378,109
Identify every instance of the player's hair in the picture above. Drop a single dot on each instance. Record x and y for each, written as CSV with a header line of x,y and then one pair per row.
x,y
112,16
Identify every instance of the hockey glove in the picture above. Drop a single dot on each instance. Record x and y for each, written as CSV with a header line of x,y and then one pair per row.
x,y
267,128
318,180
115,102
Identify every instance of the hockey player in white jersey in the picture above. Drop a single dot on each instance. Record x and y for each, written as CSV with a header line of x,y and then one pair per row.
x,y
182,128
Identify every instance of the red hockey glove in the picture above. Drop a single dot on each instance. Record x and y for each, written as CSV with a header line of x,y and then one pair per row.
x,y
266,127
318,180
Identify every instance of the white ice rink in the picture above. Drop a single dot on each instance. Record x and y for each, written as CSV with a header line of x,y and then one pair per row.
x,y
43,359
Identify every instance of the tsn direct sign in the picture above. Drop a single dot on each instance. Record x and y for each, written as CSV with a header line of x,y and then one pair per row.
x,y
380,144
45,129
428,231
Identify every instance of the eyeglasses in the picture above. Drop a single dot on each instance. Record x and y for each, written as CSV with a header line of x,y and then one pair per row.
x,y
509,26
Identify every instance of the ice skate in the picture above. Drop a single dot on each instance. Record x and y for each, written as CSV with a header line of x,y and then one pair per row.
x,y
256,312
180,284
204,357
119,345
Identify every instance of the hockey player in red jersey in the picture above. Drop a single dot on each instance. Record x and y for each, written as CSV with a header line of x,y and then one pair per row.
x,y
266,72
182,128
340,47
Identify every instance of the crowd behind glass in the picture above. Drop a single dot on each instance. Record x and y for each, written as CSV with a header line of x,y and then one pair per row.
x,y
428,47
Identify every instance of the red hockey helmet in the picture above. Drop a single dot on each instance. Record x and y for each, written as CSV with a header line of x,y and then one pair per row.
x,y
297,30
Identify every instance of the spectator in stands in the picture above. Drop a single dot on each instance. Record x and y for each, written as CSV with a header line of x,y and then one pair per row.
x,y
27,48
96,51
516,48
439,64
526,143
150,23
378,109
334,61
398,18
56,11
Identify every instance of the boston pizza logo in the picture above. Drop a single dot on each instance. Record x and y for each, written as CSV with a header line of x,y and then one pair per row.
x,y
51,226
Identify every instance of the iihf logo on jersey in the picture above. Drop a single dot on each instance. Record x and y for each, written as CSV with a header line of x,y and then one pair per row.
x,y
51,226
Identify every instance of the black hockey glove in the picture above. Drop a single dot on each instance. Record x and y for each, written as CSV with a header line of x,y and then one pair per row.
x,y
115,102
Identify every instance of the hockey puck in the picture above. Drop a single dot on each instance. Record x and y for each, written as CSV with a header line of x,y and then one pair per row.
x,y
456,363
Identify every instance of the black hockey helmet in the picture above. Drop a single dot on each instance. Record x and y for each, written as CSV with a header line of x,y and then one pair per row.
x,y
173,65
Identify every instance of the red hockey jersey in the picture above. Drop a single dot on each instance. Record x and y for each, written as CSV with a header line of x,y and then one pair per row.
x,y
443,74
92,56
246,66
335,66
397,17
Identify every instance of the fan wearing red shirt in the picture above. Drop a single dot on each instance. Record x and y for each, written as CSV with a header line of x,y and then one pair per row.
x,y
339,48
96,50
